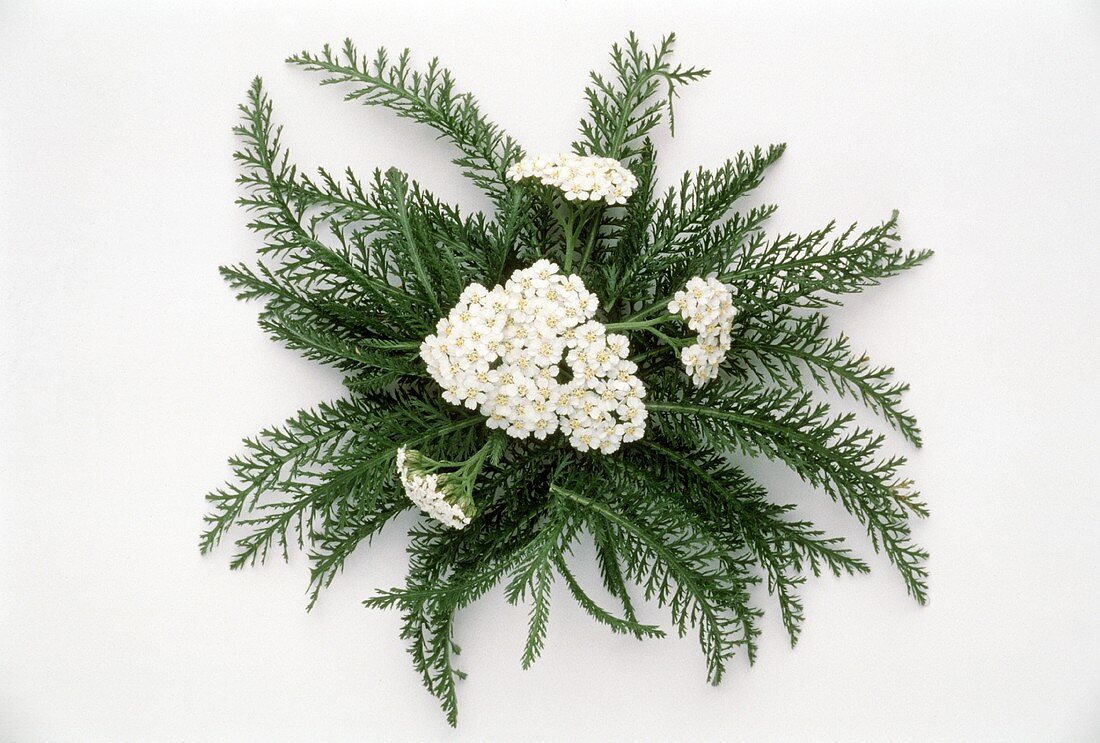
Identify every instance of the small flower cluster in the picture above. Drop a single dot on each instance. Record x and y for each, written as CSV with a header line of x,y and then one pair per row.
x,y
500,351
434,494
707,307
579,178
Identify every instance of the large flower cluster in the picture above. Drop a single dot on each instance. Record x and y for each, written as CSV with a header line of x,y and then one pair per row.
x,y
500,351
432,493
578,177
707,307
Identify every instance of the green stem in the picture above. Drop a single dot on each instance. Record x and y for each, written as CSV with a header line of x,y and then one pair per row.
x,y
588,247
746,420
628,325
405,345
633,92
471,468
570,495
648,310
474,463
401,191
688,578
675,343
570,242
650,326
449,428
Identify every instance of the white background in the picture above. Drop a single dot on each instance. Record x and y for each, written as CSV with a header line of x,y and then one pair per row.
x,y
128,373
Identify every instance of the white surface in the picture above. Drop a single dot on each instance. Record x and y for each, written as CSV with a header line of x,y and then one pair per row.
x,y
129,373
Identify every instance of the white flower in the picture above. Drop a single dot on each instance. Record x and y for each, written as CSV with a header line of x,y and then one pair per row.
x,y
706,305
434,494
501,351
579,178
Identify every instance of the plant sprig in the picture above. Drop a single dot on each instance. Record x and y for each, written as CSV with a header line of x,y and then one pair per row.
x,y
355,272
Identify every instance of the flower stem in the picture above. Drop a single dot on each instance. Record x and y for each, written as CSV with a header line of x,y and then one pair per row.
x,y
405,345
591,243
570,241
638,324
647,310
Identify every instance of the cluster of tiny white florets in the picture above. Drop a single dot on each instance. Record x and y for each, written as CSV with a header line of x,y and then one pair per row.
x,y
430,492
500,351
579,178
707,307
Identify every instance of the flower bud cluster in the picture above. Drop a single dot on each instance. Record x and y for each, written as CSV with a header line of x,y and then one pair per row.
x,y
579,178
707,307
438,495
500,351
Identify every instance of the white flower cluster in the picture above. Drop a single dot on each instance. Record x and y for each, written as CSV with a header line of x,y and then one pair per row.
x,y
579,178
430,492
500,350
707,307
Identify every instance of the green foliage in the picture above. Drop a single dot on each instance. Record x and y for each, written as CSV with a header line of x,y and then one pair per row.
x,y
428,97
623,110
354,273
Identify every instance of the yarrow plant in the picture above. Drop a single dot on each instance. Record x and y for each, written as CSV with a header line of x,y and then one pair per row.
x,y
707,307
447,497
499,352
593,358
579,177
